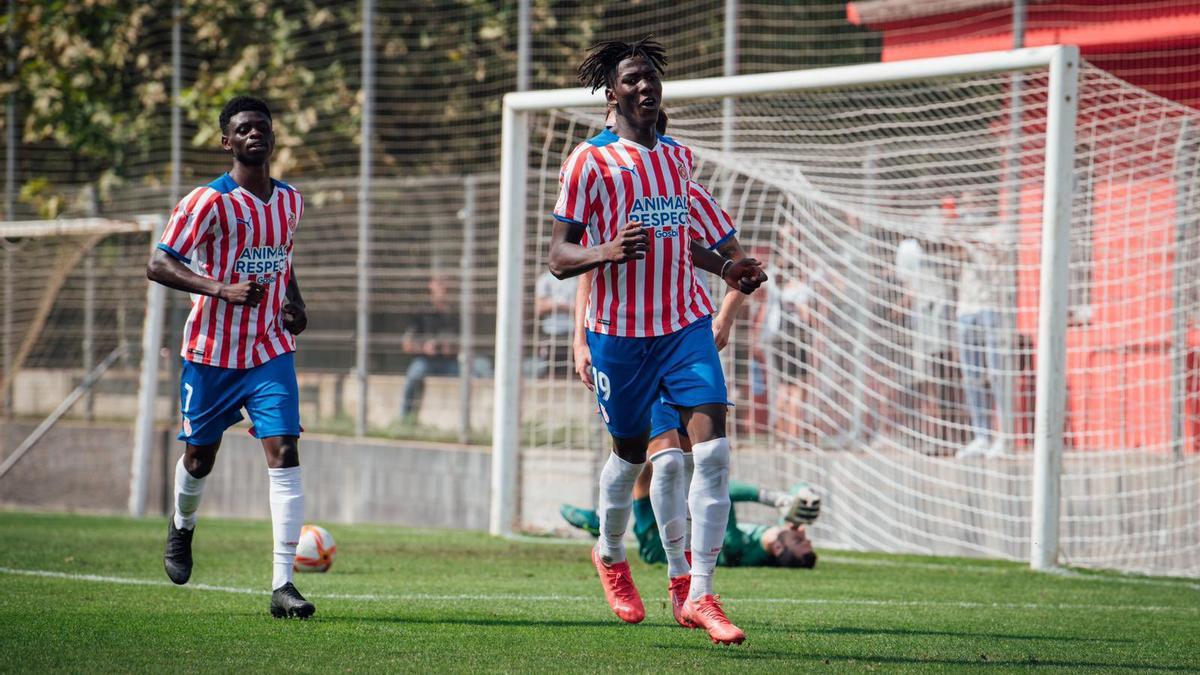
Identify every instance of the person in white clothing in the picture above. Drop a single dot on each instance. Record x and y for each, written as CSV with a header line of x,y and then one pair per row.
x,y
980,326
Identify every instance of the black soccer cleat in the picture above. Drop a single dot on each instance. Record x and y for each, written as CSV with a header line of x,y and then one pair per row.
x,y
178,557
286,602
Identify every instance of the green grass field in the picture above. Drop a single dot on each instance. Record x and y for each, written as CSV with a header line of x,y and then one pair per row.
x,y
80,593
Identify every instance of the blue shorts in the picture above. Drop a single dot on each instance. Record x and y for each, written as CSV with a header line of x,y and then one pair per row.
x,y
663,418
211,399
633,374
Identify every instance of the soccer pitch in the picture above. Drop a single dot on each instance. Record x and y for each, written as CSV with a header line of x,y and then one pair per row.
x,y
89,593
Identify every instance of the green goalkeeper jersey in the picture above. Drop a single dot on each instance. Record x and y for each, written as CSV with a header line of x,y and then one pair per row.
x,y
743,543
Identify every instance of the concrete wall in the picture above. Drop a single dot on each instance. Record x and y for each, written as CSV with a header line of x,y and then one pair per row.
x,y
1131,511
79,467
323,397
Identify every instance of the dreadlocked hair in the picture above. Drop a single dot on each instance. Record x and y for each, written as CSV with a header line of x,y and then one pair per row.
x,y
599,69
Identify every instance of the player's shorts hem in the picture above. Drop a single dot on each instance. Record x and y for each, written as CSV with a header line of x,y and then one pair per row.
x,y
726,403
273,433
193,440
623,436
175,254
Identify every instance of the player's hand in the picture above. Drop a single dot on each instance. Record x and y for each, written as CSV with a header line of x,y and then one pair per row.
x,y
746,275
721,328
631,243
244,293
295,319
804,507
583,364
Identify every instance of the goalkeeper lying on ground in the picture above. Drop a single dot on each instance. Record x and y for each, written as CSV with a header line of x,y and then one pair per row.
x,y
782,545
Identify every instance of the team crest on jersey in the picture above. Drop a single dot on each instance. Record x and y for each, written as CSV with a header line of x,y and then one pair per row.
x,y
292,223
683,170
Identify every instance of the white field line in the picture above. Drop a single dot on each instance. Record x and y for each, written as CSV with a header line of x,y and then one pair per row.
x,y
1131,579
972,569
511,597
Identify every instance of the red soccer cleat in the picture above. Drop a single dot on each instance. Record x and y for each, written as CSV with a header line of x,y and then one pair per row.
x,y
706,613
678,590
619,590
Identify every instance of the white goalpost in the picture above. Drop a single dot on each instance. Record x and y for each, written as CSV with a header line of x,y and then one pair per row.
x,y
74,290
1062,66
982,331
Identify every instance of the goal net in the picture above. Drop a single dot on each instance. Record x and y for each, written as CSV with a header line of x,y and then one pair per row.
x,y
893,358
72,291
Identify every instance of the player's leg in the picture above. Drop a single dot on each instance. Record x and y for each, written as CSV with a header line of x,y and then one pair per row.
x,y
694,382
624,397
666,502
668,487
710,507
414,388
209,404
274,408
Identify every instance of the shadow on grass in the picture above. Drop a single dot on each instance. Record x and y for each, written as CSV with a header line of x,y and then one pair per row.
x,y
748,652
848,630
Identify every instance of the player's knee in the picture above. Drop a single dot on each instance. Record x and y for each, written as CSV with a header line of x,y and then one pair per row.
x,y
711,455
668,464
199,463
283,452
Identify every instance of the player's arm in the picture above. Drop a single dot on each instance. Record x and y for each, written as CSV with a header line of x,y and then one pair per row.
x,y
295,316
165,269
731,264
569,259
583,353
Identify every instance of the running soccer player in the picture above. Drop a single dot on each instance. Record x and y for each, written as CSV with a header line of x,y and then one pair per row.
x,y
629,209
229,244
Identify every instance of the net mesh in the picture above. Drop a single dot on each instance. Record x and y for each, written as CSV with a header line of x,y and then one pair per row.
x,y
69,299
890,360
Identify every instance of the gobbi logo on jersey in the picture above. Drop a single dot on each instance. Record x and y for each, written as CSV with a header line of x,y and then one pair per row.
x,y
667,212
261,260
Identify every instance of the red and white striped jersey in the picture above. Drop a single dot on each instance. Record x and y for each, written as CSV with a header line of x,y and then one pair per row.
x,y
607,182
227,233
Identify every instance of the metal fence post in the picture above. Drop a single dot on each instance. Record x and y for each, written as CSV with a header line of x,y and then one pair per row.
x,y
10,176
362,333
466,308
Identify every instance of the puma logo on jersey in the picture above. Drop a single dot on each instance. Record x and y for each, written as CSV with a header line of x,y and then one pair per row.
x,y
630,169
246,222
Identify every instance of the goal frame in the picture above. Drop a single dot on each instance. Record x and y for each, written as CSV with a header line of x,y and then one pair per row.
x,y
1062,63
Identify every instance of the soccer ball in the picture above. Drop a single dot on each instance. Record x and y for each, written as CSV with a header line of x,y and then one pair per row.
x,y
315,551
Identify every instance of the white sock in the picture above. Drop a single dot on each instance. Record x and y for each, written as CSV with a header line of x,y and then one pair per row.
x,y
669,499
616,502
709,501
188,490
287,517
689,470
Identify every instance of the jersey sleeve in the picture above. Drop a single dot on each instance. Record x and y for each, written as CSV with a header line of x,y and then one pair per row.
x,y
577,188
190,222
709,221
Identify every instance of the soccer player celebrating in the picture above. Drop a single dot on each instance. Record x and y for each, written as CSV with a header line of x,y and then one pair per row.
x,y
229,244
629,192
